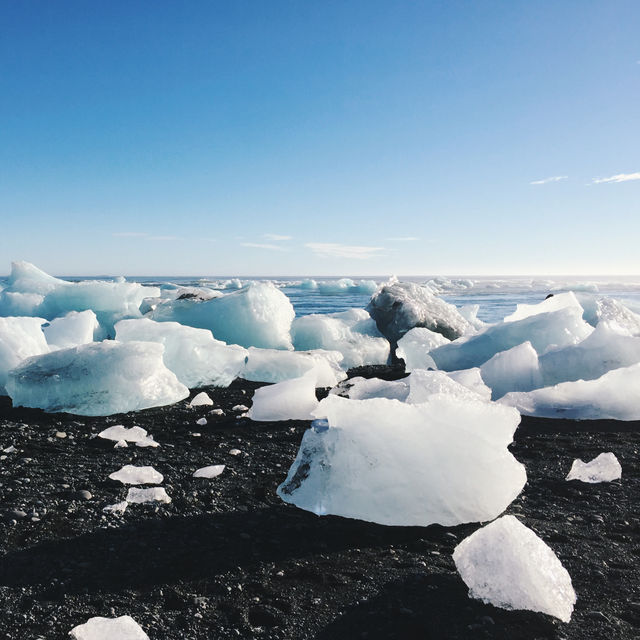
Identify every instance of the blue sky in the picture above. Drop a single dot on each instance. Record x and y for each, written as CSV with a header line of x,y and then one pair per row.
x,y
327,138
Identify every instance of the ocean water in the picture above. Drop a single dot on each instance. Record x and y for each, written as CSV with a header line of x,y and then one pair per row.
x,y
496,296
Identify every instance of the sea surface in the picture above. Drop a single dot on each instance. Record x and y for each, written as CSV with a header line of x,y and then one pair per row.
x,y
496,296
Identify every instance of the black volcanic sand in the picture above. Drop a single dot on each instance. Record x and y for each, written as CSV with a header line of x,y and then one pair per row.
x,y
228,559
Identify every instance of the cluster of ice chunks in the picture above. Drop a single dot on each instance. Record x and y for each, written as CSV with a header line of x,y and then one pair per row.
x,y
20,338
398,307
259,315
443,461
353,333
507,565
32,292
96,379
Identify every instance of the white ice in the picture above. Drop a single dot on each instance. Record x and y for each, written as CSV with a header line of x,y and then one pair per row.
x,y
194,355
117,508
200,400
554,329
275,365
507,565
152,494
365,388
130,474
288,400
612,396
472,379
345,285
258,315
353,333
20,338
424,384
516,369
122,628
96,379
415,345
71,330
603,468
119,433
212,471
557,301
442,461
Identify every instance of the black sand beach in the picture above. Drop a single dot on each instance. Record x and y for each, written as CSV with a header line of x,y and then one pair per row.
x,y
228,559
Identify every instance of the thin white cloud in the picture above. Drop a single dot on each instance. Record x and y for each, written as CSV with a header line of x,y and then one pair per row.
x,y
163,238
405,239
620,177
129,234
276,237
258,245
335,250
551,179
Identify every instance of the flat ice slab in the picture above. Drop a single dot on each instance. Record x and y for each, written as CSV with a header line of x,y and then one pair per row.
x,y
130,474
97,379
122,628
442,461
507,565
603,468
212,471
153,494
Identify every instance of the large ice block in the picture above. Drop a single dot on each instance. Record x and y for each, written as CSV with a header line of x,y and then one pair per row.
x,y
71,330
415,345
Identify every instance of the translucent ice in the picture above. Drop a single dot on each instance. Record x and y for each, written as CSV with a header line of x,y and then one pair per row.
x,y
614,395
130,474
415,345
122,628
398,307
472,379
71,330
119,433
442,461
516,369
259,315
19,338
192,354
603,468
507,565
289,400
366,388
353,333
153,494
423,384
96,379
553,303
212,471
543,330
275,365
346,285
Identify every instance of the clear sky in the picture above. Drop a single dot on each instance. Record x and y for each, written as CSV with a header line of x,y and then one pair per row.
x,y
320,137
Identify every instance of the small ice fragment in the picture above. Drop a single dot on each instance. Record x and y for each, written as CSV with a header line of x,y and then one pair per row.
x,y
120,444
209,472
195,435
122,628
130,474
201,399
235,452
10,449
216,412
509,566
135,434
118,508
201,421
603,468
240,407
153,494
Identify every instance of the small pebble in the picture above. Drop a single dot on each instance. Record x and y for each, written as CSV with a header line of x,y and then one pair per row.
x,y
83,494
61,434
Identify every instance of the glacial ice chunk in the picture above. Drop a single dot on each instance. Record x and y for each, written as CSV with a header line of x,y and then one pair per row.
x,y
612,396
365,388
353,333
288,400
152,494
212,471
415,345
398,307
194,355
130,474
507,565
201,399
19,338
275,365
442,461
555,329
119,433
424,383
555,302
603,468
73,329
516,369
97,379
258,315
122,628
472,379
